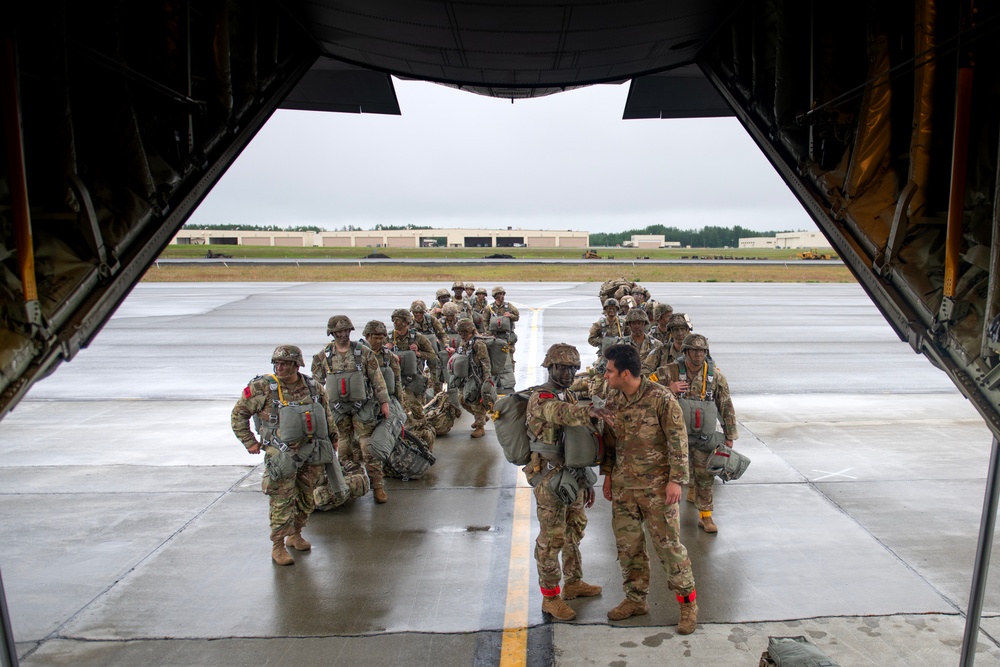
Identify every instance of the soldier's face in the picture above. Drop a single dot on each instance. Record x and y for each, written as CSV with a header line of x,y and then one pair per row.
x,y
443,299
678,335
418,316
662,322
459,293
562,375
639,298
612,376
697,357
376,340
399,324
611,312
286,370
637,327
343,336
499,296
469,292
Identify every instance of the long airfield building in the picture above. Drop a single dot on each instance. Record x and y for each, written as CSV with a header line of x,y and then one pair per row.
x,y
390,238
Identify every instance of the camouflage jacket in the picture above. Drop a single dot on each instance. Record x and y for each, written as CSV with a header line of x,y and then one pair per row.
x,y
450,337
648,446
480,307
662,336
479,356
549,408
720,395
430,327
425,351
505,307
329,360
648,353
658,355
257,399
604,327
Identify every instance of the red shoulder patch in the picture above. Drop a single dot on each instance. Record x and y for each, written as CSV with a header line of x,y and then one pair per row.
x,y
546,394
246,392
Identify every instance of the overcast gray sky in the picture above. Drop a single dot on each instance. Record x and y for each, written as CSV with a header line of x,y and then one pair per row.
x,y
456,159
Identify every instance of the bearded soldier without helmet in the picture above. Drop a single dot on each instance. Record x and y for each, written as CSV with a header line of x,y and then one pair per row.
x,y
551,407
704,396
645,464
291,414
357,390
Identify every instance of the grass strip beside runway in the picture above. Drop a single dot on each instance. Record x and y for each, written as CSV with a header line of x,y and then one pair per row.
x,y
793,272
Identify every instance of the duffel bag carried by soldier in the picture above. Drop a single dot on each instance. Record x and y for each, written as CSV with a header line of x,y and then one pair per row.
x,y
794,652
510,413
354,483
441,413
727,464
388,430
567,482
410,458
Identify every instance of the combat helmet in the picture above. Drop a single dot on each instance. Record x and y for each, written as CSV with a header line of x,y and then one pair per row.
x,y
498,290
661,309
679,321
694,342
450,308
562,354
288,353
458,284
402,313
627,301
611,302
374,327
480,290
469,286
637,315
338,323
418,306
465,326
442,292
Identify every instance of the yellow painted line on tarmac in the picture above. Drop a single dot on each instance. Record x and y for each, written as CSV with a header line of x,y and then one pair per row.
x,y
514,647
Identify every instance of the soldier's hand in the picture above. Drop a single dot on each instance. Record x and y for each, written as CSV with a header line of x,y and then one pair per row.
x,y
385,410
254,448
589,497
673,493
413,347
607,487
678,386
729,443
602,413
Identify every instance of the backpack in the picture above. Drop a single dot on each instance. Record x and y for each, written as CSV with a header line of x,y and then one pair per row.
x,y
727,464
510,420
794,652
384,436
409,459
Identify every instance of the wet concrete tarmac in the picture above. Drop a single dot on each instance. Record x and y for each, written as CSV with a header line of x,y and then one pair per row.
x,y
133,532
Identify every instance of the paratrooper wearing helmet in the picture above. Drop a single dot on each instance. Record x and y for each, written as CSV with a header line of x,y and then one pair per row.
x,y
415,352
475,385
678,327
470,289
291,413
375,334
651,352
480,304
660,319
609,330
465,305
625,304
704,396
354,381
554,417
441,297
430,327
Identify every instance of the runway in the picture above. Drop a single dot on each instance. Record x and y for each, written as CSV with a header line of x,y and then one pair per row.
x,y
133,531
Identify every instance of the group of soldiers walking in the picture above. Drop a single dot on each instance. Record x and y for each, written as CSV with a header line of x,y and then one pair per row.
x,y
464,342
657,399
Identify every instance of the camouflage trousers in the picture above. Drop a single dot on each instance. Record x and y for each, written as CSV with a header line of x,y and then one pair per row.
x,y
702,480
291,500
354,437
416,420
560,529
478,412
631,509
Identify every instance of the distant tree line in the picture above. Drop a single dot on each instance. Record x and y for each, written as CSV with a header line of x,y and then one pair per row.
x,y
706,237
260,228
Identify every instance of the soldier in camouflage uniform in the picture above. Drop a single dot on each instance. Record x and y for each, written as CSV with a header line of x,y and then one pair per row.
x,y
406,339
479,367
355,422
450,314
661,318
266,398
375,334
645,464
465,305
441,298
560,525
470,290
626,304
480,303
679,327
687,379
501,306
611,325
428,325
649,349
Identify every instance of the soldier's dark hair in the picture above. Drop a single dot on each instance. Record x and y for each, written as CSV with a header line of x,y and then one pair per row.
x,y
626,358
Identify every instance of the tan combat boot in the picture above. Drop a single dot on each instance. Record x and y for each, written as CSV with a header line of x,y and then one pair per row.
x,y
380,495
706,522
478,431
580,589
298,542
689,618
559,610
628,608
691,497
279,555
